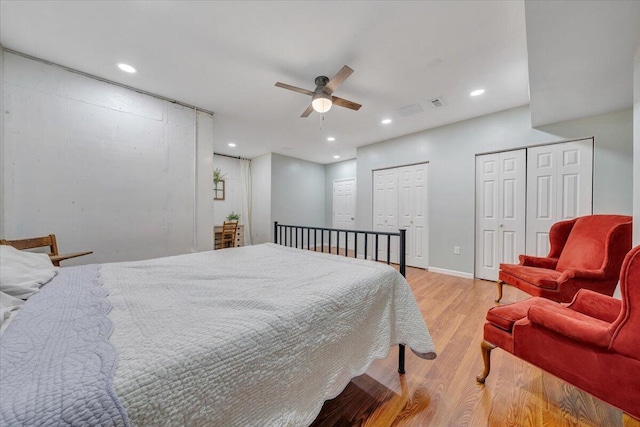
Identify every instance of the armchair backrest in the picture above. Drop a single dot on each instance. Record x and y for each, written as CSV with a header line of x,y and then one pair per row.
x,y
596,241
558,235
626,328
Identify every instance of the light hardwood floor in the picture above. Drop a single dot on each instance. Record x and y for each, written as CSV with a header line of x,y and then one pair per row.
x,y
444,392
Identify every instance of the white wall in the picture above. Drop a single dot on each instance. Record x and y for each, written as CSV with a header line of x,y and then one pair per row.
x,y
450,151
204,159
2,140
612,153
332,172
104,168
261,225
636,148
233,192
297,191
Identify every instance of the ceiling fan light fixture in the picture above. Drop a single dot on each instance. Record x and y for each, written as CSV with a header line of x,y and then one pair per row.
x,y
321,102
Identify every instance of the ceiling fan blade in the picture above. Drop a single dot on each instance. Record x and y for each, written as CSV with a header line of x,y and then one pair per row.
x,y
338,79
340,102
295,89
308,111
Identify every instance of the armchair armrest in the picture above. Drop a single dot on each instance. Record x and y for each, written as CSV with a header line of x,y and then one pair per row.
x,y
534,261
570,273
571,324
55,259
597,305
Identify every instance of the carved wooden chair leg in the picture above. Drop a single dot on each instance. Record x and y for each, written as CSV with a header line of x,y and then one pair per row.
x,y
499,283
485,348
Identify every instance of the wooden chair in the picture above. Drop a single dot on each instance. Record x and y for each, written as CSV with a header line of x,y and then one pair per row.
x,y
40,242
228,238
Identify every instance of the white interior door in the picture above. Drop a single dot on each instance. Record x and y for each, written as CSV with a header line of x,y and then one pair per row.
x,y
500,211
385,211
560,186
344,205
412,208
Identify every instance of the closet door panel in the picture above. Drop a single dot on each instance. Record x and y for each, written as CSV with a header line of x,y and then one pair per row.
x,y
560,187
487,222
420,229
542,197
500,211
512,221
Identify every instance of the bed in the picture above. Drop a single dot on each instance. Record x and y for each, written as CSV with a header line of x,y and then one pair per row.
x,y
259,335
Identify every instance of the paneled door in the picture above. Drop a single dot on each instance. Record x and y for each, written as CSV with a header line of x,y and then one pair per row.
x,y
400,201
560,186
500,211
385,210
344,207
412,208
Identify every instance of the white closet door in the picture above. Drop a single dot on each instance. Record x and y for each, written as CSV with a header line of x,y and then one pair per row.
x,y
487,196
560,186
385,210
500,211
513,188
406,208
413,213
420,233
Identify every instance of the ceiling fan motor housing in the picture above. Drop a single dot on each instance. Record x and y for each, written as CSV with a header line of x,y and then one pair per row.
x,y
321,81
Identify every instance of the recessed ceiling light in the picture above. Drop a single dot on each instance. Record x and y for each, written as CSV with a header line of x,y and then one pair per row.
x,y
127,68
336,157
477,92
386,121
331,138
231,144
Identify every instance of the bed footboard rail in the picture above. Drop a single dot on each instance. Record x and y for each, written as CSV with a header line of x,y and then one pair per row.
x,y
375,245
320,238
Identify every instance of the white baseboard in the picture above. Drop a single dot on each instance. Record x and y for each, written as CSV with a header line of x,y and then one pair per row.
x,y
451,272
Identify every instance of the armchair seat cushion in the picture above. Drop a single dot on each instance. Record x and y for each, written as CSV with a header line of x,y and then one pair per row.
x,y
541,277
505,316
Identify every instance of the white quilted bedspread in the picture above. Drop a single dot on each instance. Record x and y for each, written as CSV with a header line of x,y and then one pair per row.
x,y
259,335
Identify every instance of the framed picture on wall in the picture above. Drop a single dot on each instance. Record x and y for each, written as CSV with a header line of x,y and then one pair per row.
x,y
218,190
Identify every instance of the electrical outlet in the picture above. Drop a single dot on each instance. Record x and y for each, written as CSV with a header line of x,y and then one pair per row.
x,y
456,250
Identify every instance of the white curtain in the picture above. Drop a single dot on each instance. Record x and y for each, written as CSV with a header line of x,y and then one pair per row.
x,y
245,185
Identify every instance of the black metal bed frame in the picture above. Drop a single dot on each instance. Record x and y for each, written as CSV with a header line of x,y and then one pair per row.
x,y
294,236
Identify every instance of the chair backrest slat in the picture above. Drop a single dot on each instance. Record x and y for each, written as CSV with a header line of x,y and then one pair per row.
x,y
34,242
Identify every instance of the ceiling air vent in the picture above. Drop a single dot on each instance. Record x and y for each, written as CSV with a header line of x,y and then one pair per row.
x,y
409,110
436,102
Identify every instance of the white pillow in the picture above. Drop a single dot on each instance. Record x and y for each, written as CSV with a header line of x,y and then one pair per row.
x,y
8,307
22,273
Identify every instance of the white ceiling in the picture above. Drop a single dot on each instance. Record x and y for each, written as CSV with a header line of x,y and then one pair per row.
x,y
227,56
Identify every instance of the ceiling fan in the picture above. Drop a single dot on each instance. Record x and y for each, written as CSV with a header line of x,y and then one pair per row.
x,y
322,98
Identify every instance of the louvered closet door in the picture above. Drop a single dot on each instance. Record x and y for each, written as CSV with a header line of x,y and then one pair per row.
x,y
560,186
500,211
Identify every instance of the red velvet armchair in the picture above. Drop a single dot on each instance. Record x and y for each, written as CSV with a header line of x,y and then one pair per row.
x,y
592,343
586,252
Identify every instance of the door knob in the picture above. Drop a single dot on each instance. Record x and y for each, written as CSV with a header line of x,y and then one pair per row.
x,y
501,225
